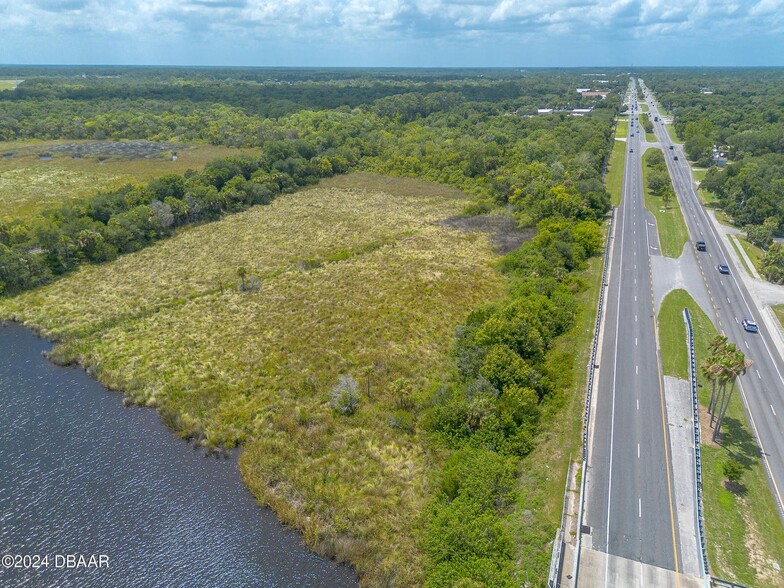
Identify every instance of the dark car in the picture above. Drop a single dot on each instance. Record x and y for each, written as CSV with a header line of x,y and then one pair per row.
x,y
675,158
723,268
700,245
631,150
672,147
750,325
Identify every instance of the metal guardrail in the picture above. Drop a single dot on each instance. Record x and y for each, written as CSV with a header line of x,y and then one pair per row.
x,y
717,583
697,453
556,559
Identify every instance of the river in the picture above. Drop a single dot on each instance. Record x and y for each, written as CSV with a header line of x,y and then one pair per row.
x,y
82,475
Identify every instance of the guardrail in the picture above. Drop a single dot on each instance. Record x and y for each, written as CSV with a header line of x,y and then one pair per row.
x,y
717,583
556,559
697,454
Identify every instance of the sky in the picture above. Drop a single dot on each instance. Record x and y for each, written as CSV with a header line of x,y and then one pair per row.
x,y
393,33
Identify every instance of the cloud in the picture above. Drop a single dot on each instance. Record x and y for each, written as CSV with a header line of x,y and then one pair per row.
x,y
345,24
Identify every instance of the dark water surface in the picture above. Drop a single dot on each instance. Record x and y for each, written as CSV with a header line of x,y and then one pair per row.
x,y
80,474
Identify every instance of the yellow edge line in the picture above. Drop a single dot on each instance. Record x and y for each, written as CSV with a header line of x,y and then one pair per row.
x,y
666,449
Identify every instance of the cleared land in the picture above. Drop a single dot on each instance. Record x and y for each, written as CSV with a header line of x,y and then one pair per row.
x,y
744,536
669,221
78,169
356,276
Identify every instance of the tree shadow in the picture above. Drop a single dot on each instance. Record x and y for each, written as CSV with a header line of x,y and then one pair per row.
x,y
737,488
737,440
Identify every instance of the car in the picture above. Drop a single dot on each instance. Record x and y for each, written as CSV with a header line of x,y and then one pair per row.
x,y
672,147
700,245
675,158
723,268
750,325
631,150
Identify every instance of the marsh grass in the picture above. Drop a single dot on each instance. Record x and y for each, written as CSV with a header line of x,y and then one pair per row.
x,y
169,326
29,184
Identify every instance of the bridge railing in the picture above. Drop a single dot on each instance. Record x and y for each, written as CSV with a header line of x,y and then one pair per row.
x,y
696,438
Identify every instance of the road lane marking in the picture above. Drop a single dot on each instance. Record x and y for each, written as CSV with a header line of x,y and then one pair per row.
x,y
747,344
637,370
773,409
638,449
736,320
635,341
758,374
639,507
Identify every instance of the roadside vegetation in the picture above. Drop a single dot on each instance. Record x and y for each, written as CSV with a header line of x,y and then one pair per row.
x,y
661,201
745,538
737,114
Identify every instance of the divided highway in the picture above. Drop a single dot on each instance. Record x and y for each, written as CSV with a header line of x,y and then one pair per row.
x,y
629,498
762,388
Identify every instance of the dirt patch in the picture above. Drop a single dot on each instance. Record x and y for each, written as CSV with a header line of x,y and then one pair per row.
x,y
117,149
505,236
758,557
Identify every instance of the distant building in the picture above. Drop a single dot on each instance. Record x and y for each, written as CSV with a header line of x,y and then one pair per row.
x,y
581,90
580,111
602,93
544,111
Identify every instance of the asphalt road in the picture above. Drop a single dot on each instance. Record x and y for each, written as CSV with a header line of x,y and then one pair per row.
x,y
762,388
629,504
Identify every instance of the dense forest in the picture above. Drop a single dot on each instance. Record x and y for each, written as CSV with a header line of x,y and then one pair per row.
x,y
474,131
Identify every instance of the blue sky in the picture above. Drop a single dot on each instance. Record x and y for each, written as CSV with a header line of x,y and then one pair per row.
x,y
417,33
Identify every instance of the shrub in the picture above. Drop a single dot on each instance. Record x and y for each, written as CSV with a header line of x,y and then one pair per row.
x,y
344,397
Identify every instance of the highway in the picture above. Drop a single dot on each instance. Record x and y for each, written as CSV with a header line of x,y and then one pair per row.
x,y
763,385
629,495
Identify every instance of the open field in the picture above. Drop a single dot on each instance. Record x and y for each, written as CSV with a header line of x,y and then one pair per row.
x,y
29,184
669,221
355,277
755,253
8,84
744,535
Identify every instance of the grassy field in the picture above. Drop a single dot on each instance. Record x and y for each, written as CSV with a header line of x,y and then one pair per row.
x,y
744,535
29,184
778,310
613,179
7,84
755,253
737,250
353,277
669,221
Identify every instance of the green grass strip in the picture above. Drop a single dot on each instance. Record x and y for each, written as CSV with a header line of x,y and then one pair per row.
x,y
669,221
740,255
744,535
613,179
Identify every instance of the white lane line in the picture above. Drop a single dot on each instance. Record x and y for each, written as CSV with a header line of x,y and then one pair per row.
x,y
638,451
758,374
639,507
637,370
728,300
736,320
635,297
635,341
747,344
635,318
773,409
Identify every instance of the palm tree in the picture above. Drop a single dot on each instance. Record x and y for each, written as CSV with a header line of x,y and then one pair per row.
x,y
242,272
734,364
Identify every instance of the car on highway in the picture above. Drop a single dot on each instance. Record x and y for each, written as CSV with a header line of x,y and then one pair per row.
x,y
675,158
723,268
750,325
700,245
672,147
631,150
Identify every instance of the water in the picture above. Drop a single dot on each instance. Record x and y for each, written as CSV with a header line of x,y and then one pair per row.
x,y
82,475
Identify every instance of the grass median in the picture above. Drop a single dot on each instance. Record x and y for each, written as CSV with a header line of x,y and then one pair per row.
x,y
744,534
613,179
669,220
